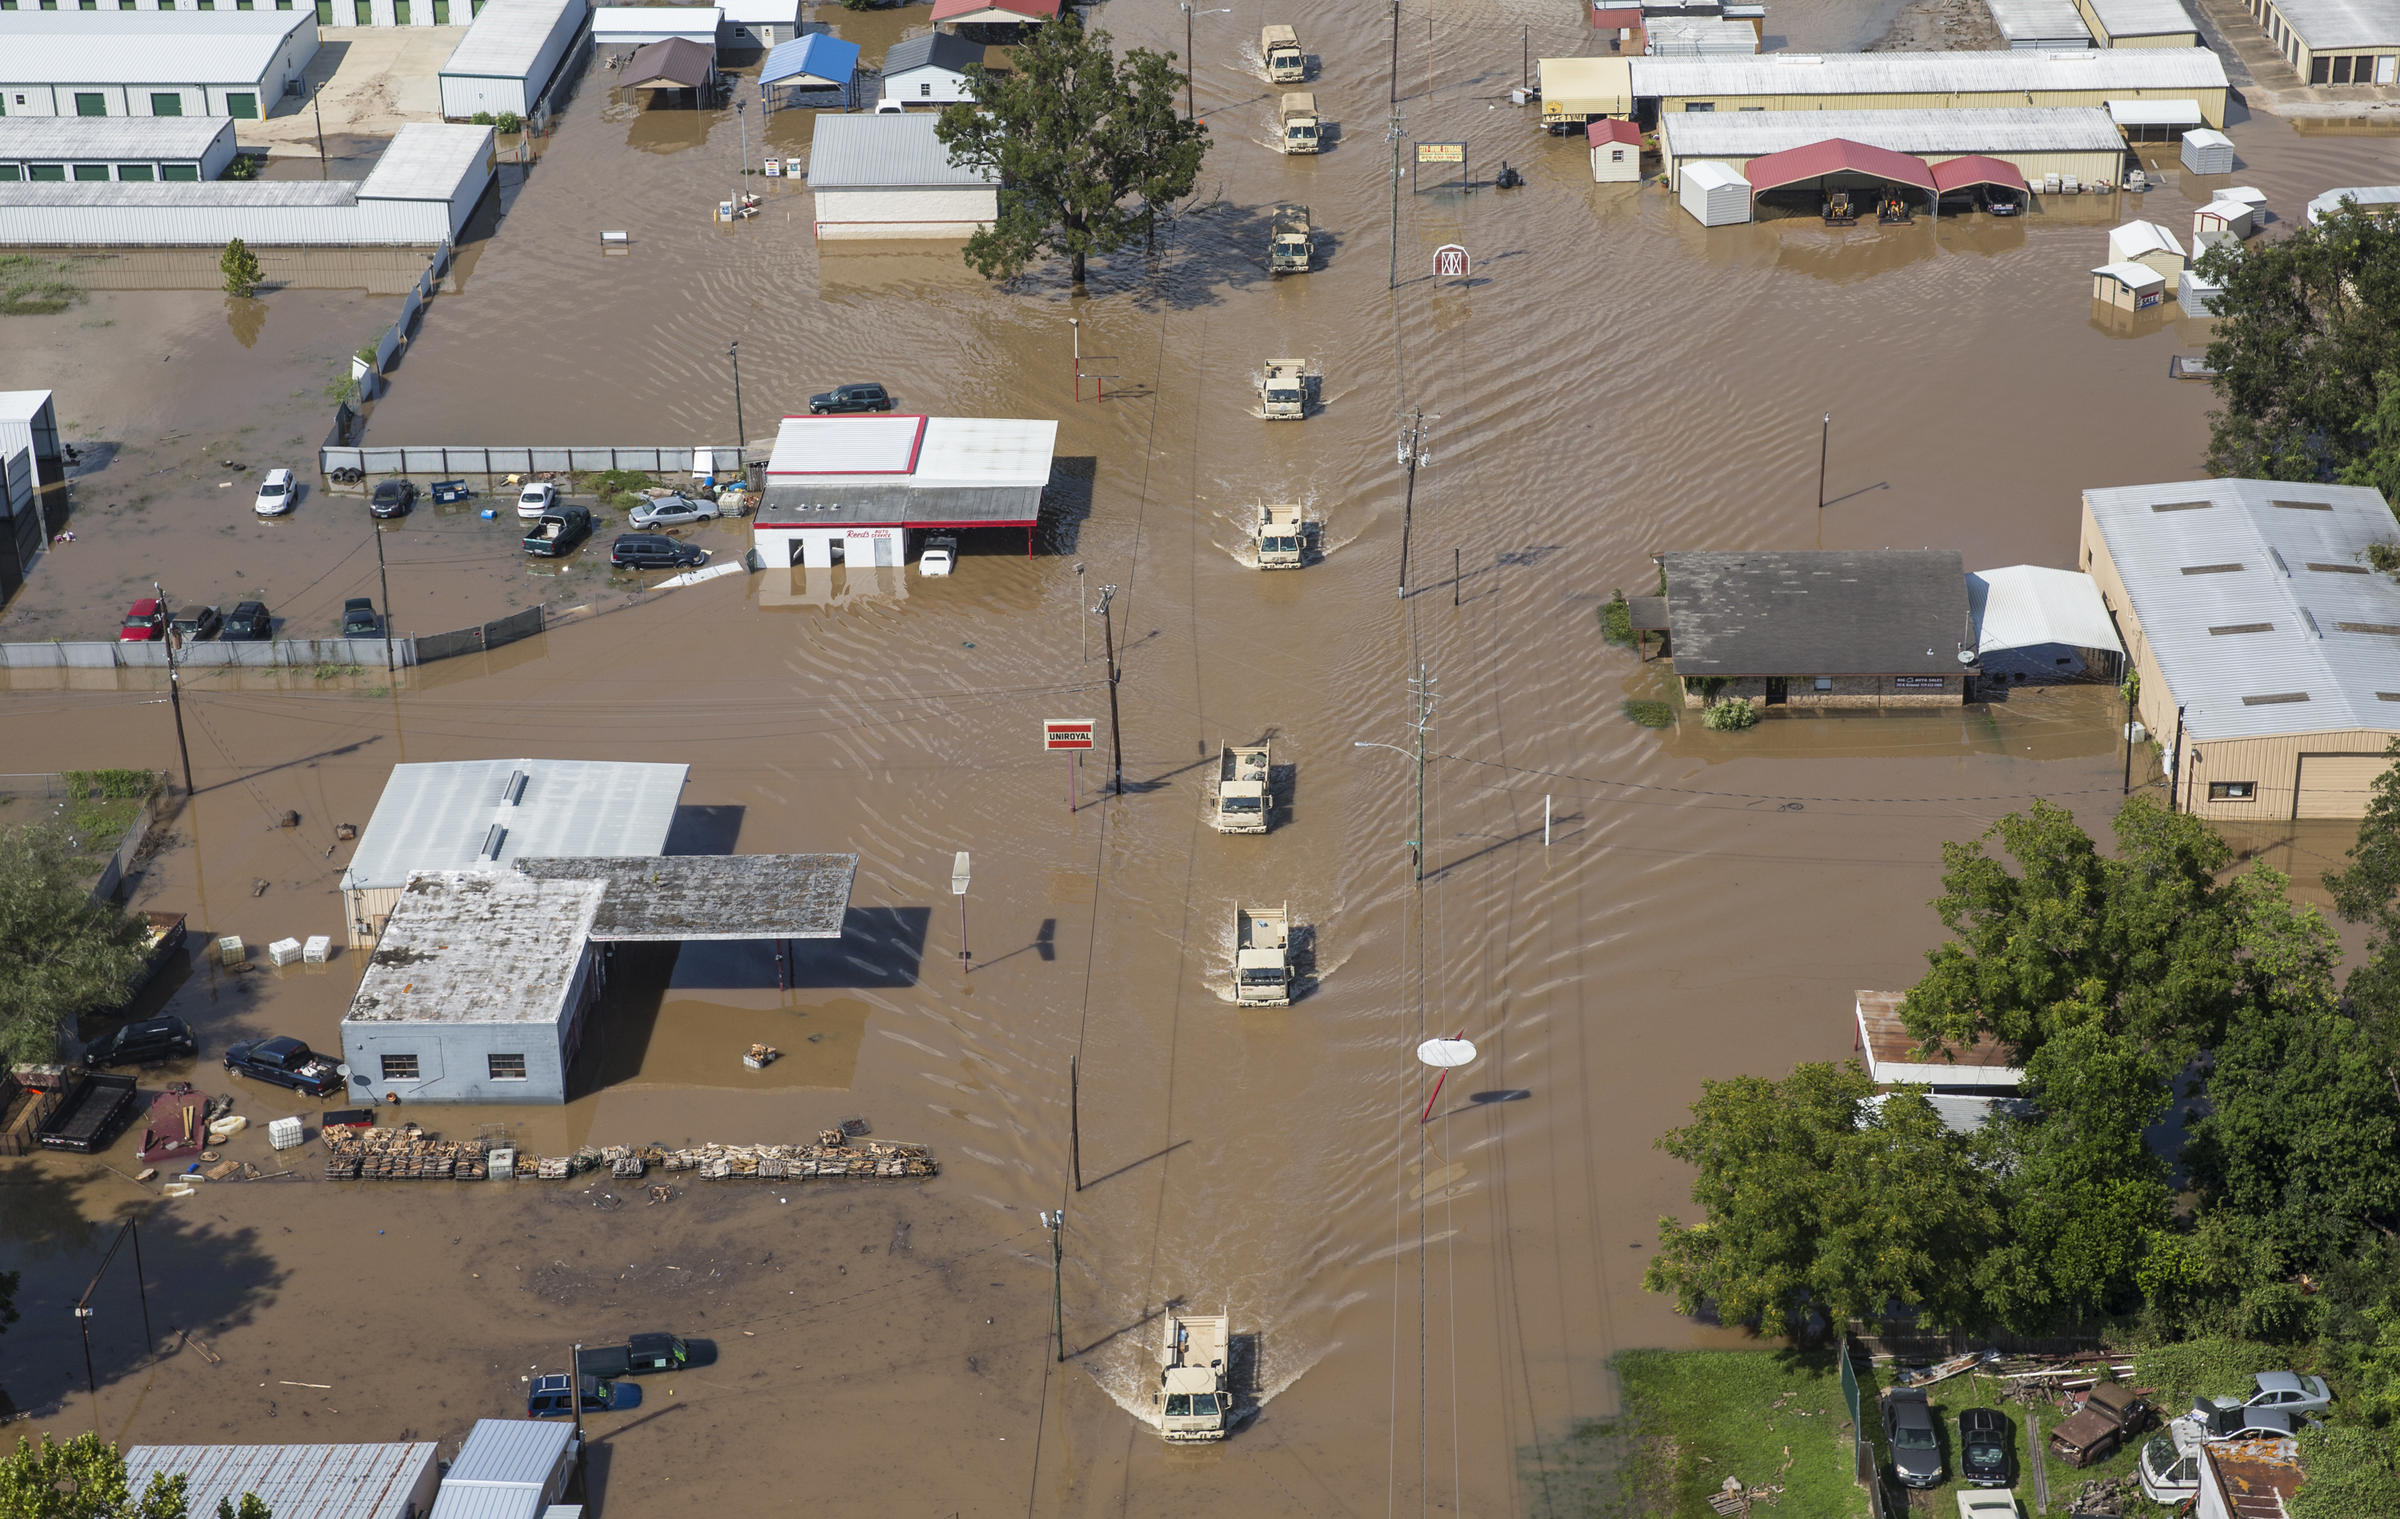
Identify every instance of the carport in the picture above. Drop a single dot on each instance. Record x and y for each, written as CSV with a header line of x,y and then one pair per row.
x,y
1975,172
678,63
818,61
1838,163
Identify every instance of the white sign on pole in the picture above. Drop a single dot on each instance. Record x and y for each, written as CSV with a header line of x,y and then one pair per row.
x,y
1444,1054
958,875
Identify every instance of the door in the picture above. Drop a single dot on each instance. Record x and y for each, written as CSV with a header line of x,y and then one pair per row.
x,y
2384,68
399,12
91,105
324,12
441,12
241,105
1775,692
2336,785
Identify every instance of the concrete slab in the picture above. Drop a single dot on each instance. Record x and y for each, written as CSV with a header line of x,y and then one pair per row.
x,y
370,81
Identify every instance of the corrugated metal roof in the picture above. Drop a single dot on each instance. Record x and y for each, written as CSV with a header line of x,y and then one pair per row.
x,y
688,897
885,153
511,1452
985,452
439,816
815,56
1714,176
2140,68
762,12
2368,198
145,47
2023,606
698,22
1609,129
1837,156
2323,24
1975,169
2143,18
2129,242
1699,34
2314,664
457,1502
2019,129
214,192
295,1481
507,37
947,11
68,137
2025,21
676,61
941,50
826,447
1821,612
2133,276
428,160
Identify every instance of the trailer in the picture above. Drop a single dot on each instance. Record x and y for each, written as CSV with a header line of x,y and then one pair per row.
x,y
1245,801
95,1109
1195,1396
1262,956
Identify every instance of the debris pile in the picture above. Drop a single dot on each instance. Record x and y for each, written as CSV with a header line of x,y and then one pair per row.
x,y
404,1154
409,1154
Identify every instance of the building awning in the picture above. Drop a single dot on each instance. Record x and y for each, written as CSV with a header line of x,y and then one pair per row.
x,y
1647,614
2025,606
688,897
817,59
1836,155
678,63
1975,169
2155,113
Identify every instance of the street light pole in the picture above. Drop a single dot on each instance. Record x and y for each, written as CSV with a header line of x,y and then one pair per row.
x,y
319,112
1108,636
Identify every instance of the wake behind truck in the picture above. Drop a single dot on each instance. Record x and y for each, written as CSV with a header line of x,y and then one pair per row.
x,y
1244,804
1279,48
1194,1397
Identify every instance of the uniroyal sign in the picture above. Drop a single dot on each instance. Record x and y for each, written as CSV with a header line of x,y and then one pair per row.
x,y
1067,732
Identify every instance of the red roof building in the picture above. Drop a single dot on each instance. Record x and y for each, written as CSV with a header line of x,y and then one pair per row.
x,y
966,12
1838,155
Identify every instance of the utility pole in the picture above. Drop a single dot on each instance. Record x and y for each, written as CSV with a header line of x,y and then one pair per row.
x,y
959,873
1086,624
1824,442
2124,690
575,1390
174,688
1524,56
741,434
1395,54
1421,689
319,112
1054,1222
1188,112
1075,1120
1412,454
382,576
1394,136
1108,636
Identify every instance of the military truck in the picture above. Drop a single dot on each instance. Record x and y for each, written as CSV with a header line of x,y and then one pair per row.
x,y
1282,540
1280,47
1283,390
1262,956
1291,248
1193,1397
1244,802
1299,118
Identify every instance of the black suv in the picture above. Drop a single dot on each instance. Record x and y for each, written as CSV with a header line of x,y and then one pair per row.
x,y
249,623
392,498
143,1043
850,398
654,551
359,619
1916,1443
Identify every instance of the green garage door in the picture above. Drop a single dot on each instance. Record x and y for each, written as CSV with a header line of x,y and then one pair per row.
x,y
324,12
241,106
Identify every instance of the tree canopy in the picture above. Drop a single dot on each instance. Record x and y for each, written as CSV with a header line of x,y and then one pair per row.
x,y
60,953
82,1479
1087,148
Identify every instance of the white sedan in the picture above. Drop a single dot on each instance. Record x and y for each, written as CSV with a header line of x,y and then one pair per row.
x,y
276,493
536,498
1983,1503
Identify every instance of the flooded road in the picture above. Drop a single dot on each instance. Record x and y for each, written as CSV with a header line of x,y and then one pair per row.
x,y
1432,1306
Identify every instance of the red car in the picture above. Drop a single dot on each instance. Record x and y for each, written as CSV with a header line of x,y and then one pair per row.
x,y
145,621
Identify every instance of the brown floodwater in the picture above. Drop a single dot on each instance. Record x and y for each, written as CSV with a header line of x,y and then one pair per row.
x,y
1432,1307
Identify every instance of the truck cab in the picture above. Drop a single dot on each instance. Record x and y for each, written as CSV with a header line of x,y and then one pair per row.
x,y
1282,538
1279,48
1283,390
1298,116
1262,956
1244,804
1193,1396
1290,248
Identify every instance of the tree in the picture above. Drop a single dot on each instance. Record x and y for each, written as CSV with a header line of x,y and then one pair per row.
x,y
2351,1475
60,953
82,1479
2307,325
1087,149
240,267
1818,1201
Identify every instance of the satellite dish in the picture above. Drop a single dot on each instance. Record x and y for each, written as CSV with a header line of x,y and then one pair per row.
x,y
1443,1054
1966,656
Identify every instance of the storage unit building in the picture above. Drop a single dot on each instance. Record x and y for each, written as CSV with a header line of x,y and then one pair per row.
x,y
509,56
1715,194
2140,242
631,26
2268,649
2040,25
508,1469
2375,200
849,490
2140,23
2128,286
2207,152
1829,628
1616,151
130,149
752,26
333,13
2080,141
152,63
888,176
2334,41
929,70
1934,81
298,1481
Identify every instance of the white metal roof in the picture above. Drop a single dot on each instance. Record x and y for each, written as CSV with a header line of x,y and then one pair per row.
x,y
2027,605
478,946
841,447
144,47
1699,34
698,22
2134,276
295,1481
985,451
441,816
71,137
2322,24
2016,129
2022,21
1713,176
762,12
2143,18
2303,584
923,453
428,160
2155,113
207,192
2141,68
510,1452
2136,238
2367,196
884,152
507,36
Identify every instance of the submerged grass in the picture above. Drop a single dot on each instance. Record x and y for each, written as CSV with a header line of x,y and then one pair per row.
x,y
30,286
1696,1417
1650,714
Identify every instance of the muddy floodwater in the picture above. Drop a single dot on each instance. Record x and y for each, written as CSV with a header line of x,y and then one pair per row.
x,y
1425,1312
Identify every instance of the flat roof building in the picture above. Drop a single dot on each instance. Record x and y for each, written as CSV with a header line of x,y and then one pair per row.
x,y
632,26
237,64
2040,25
510,54
1933,81
131,149
2075,140
2334,41
2139,23
848,489
298,1481
889,176
2268,650
1825,628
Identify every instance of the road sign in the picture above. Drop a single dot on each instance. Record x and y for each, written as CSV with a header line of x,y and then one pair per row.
x,y
1441,152
1450,262
1067,732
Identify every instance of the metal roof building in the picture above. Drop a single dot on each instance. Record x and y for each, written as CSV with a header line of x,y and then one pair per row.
x,y
2334,41
818,61
85,149
993,12
2381,200
508,57
860,483
634,25
2139,23
508,1469
888,176
2079,140
1890,1054
1670,35
298,1481
1828,628
2033,620
2041,25
2268,650
1933,81
152,63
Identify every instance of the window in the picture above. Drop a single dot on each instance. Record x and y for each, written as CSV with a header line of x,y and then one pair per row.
x,y
89,173
91,104
399,1067
925,90
180,172
1824,682
167,103
1616,155
241,105
1699,107
9,174
508,1067
141,173
2232,791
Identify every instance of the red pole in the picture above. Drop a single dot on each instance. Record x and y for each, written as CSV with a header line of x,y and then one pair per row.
x,y
1427,1115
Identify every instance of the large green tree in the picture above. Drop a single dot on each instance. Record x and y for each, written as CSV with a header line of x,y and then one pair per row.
x,y
82,1479
2308,339
60,953
1817,1200
2368,893
1087,147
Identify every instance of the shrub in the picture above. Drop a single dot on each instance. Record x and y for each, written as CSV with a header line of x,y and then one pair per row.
x,y
1650,714
1616,620
481,119
245,166
2384,557
620,490
509,121
1730,716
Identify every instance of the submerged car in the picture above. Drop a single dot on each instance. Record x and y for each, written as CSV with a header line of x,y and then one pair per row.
x,y
144,1043
276,493
392,498
850,398
547,1399
651,551
359,619
1983,1454
285,1062
249,623
672,511
1916,1443
537,497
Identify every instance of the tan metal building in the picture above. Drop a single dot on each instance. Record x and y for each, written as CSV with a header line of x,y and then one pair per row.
x,y
2083,143
2139,23
2334,41
2268,650
1991,80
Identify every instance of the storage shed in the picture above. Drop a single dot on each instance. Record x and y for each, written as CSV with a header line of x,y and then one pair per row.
x,y
508,1469
1865,628
632,26
1951,81
1714,193
2196,293
2039,25
2128,286
2141,242
508,57
2139,23
849,490
297,1481
818,61
2219,219
888,176
755,25
152,63
929,70
128,149
1892,1056
1616,151
2334,41
2207,152
2080,140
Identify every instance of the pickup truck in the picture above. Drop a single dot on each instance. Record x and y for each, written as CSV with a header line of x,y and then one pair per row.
x,y
547,1398
639,1355
2111,1414
93,1111
285,1062
561,528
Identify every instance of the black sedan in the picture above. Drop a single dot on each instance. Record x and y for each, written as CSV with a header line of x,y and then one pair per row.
x,y
850,398
1983,1454
285,1062
393,498
1915,1439
249,623
654,551
145,1043
359,619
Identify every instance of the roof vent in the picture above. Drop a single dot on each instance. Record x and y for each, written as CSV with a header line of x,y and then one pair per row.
x,y
514,792
2276,700
491,843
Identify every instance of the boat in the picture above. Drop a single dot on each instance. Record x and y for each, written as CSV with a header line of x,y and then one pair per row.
x,y
176,1130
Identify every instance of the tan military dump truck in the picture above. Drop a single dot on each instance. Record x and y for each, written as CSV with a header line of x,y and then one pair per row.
x,y
1194,1397
1262,956
1291,248
1244,804
1280,47
1299,118
1282,538
1283,390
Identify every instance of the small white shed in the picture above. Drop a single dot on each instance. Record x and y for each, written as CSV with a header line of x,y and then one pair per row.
x,y
1616,151
632,26
1714,194
2207,151
2197,294
757,24
2128,286
929,70
2139,242
2222,217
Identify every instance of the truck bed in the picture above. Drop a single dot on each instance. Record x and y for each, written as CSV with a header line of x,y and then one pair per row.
x,y
95,1108
1262,928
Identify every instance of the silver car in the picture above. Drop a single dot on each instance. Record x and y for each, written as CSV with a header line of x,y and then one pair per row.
x,y
672,511
2290,1392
